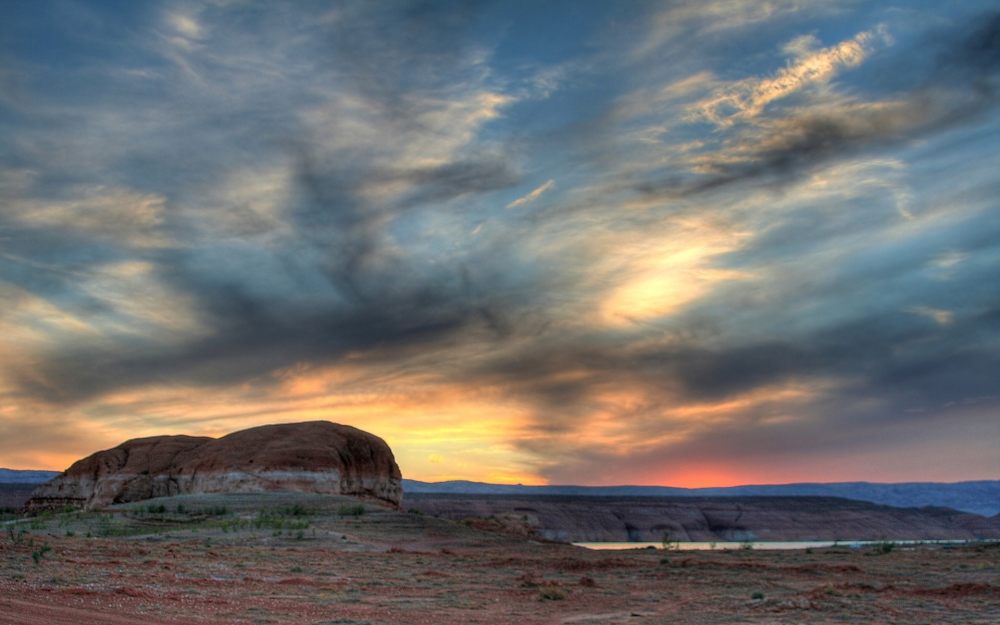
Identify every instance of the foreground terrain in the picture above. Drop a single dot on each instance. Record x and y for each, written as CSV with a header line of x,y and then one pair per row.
x,y
316,560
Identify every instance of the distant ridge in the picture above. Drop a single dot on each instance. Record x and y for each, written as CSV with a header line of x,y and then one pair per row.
x,y
979,497
16,476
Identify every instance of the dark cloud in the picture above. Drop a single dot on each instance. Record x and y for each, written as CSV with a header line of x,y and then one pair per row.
x,y
852,331
440,184
975,54
769,443
871,378
957,88
352,288
391,53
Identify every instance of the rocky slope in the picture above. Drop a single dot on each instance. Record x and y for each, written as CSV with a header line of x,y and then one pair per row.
x,y
13,496
312,457
611,519
979,497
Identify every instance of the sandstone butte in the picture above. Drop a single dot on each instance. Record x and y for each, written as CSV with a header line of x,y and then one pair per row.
x,y
311,457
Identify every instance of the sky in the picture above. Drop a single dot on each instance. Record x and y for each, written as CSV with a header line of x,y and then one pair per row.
x,y
684,243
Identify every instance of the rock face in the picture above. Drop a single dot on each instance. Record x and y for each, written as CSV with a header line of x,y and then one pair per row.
x,y
628,519
311,457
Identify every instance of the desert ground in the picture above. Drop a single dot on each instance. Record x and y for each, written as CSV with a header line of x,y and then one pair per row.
x,y
323,560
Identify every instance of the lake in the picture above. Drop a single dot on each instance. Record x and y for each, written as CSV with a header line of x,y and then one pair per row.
x,y
765,544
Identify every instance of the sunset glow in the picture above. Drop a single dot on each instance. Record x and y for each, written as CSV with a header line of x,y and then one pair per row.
x,y
680,243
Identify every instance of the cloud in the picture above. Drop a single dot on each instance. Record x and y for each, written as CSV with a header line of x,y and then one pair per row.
x,y
35,439
760,255
955,89
533,195
939,316
689,21
747,98
119,215
186,25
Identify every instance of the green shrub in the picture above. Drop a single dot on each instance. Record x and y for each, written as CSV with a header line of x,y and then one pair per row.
x,y
296,510
351,510
16,535
39,553
278,521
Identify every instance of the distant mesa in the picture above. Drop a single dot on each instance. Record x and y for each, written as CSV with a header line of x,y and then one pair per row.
x,y
311,457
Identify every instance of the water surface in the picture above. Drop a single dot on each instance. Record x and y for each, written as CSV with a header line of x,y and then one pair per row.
x,y
762,544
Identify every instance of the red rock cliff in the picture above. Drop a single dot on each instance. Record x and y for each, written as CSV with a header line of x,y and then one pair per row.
x,y
312,457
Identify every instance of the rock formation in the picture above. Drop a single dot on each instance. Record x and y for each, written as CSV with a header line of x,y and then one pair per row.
x,y
628,519
311,457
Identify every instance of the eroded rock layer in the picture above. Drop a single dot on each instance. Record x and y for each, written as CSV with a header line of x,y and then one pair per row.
x,y
311,457
639,519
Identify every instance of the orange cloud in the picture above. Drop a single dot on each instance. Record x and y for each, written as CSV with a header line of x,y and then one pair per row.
x,y
438,431
659,277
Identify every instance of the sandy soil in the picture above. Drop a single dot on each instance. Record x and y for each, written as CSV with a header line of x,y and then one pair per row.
x,y
312,561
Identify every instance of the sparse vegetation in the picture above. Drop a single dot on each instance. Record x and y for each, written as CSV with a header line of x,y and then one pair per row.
x,y
16,534
669,542
551,593
9,514
883,547
225,554
38,554
296,510
279,521
351,510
